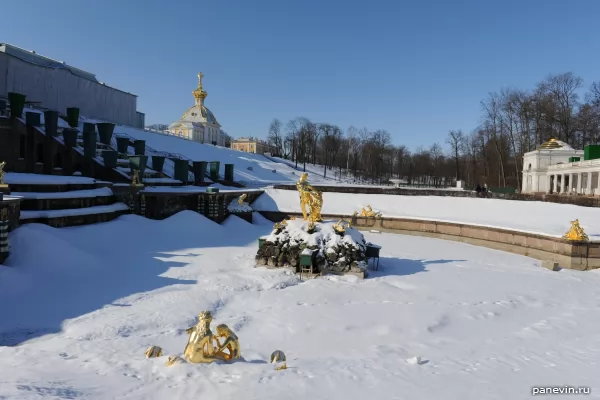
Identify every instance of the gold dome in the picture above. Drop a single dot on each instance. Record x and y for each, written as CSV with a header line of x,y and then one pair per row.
x,y
554,144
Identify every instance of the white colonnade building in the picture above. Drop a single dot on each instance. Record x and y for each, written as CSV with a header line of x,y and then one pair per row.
x,y
555,167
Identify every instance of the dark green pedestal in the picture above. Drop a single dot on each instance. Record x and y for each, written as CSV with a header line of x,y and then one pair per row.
x,y
89,127
122,144
199,169
110,158
181,169
70,137
73,117
214,170
158,162
17,103
51,122
33,118
89,144
229,172
139,147
105,131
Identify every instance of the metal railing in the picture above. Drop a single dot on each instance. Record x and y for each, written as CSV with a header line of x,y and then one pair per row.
x,y
585,163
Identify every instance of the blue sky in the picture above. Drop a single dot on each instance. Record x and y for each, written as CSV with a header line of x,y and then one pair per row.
x,y
414,68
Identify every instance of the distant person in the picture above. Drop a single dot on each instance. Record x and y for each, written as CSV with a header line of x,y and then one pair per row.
x,y
485,190
478,189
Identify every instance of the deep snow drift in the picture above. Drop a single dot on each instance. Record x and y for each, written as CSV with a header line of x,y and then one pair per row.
x,y
79,307
529,216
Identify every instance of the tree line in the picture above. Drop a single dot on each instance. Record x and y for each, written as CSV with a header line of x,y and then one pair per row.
x,y
513,122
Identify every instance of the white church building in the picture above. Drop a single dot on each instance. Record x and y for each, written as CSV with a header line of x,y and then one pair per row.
x,y
555,167
198,123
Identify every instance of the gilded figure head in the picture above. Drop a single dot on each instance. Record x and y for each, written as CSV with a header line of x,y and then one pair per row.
x,y
223,330
205,316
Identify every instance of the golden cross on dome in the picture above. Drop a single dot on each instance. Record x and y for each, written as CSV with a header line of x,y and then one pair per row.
x,y
200,76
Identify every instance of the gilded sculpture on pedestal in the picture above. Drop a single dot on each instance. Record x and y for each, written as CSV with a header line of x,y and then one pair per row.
x,y
204,347
2,164
576,232
311,198
241,199
367,212
135,178
340,228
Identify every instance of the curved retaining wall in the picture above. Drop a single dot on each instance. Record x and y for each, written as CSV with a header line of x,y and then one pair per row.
x,y
572,255
577,200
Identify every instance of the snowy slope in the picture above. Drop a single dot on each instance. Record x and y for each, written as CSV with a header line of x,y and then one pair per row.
x,y
528,216
487,325
262,168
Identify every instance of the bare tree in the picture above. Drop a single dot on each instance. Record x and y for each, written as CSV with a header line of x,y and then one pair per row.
x,y
456,141
292,138
593,96
274,136
563,90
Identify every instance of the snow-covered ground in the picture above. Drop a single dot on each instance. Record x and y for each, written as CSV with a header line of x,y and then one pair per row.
x,y
262,169
528,216
79,312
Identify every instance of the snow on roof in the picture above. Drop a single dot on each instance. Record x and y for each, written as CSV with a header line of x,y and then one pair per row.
x,y
554,144
33,58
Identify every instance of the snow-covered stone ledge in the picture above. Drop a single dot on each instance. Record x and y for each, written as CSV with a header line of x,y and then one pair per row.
x,y
573,255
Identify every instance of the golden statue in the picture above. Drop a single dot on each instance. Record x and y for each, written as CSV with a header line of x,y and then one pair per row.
x,y
153,351
241,199
368,212
576,232
231,343
2,164
339,226
172,360
200,346
311,198
203,347
279,225
135,178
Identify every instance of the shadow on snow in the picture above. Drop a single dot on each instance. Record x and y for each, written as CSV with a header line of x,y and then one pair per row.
x,y
54,274
391,266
